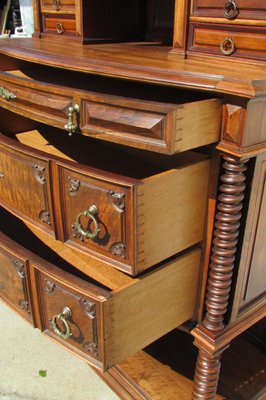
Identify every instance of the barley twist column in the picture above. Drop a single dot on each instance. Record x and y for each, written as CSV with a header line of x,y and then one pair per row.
x,y
224,246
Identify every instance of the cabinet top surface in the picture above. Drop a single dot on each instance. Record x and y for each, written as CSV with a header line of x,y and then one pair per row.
x,y
142,62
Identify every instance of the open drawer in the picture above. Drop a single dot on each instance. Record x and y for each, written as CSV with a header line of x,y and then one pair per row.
x,y
107,320
132,210
164,120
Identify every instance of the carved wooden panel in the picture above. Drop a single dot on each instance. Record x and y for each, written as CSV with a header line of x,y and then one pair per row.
x,y
107,224
84,321
228,41
33,100
251,283
25,186
13,283
233,123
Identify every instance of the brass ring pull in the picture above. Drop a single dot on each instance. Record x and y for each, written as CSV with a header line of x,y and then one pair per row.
x,y
71,126
66,313
230,10
60,28
90,213
57,5
228,46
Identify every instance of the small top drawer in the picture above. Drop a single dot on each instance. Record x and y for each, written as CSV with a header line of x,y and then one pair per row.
x,y
228,41
230,9
59,24
63,6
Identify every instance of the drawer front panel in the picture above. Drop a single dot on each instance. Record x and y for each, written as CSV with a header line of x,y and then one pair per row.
x,y
59,24
13,282
23,97
155,126
228,42
110,223
25,187
253,9
83,321
127,120
61,6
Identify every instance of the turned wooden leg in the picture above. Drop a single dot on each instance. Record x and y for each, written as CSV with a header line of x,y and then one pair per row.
x,y
224,245
206,376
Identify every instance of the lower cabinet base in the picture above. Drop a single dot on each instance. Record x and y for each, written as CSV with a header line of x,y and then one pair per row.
x,y
165,370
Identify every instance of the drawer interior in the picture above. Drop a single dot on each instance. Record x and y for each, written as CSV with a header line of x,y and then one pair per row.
x,y
116,159
36,74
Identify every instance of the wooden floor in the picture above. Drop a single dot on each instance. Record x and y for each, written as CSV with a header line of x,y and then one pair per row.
x,y
243,373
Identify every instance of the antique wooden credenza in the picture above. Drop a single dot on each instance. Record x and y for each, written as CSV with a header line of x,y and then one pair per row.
x,y
132,182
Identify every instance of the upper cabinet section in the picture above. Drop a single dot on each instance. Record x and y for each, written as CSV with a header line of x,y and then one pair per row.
x,y
91,21
232,29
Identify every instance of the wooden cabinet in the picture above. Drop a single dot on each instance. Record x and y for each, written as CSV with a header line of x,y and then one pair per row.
x,y
134,176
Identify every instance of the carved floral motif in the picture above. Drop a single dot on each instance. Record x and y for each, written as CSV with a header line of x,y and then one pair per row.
x,y
118,249
19,267
39,172
73,185
118,200
45,217
49,287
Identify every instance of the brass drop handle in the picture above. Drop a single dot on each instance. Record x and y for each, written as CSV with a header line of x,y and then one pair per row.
x,y
57,4
60,28
71,126
6,94
90,213
230,9
228,46
65,314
